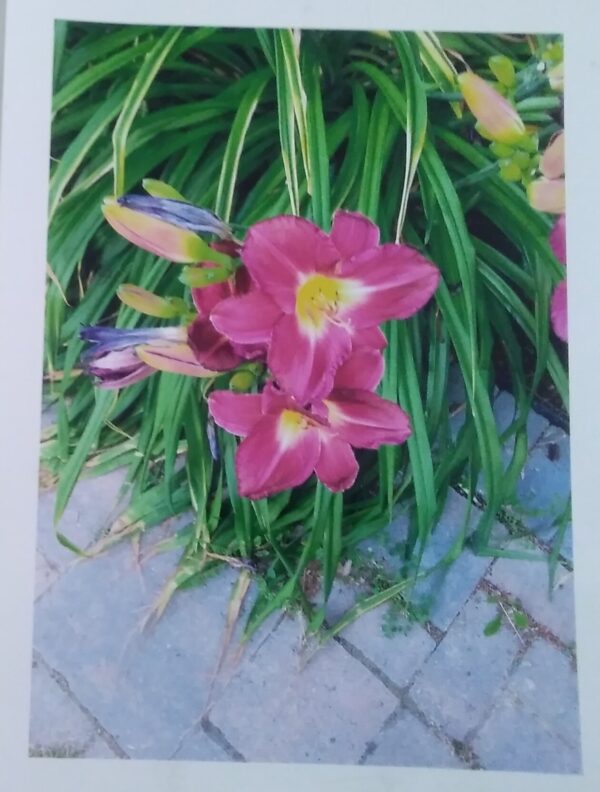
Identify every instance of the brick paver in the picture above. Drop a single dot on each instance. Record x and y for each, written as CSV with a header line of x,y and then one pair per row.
x,y
58,726
91,510
536,718
460,680
276,711
146,689
546,683
383,693
396,653
409,743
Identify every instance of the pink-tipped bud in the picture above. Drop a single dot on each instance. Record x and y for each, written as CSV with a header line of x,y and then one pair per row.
x,y
494,113
154,235
173,358
547,195
552,163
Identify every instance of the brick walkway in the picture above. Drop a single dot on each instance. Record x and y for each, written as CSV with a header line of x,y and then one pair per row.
x,y
440,694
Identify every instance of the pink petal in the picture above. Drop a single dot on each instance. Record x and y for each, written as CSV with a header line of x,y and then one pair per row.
x,y
265,464
243,281
248,319
363,369
353,233
118,369
274,400
396,281
207,297
558,311
558,239
337,467
278,251
251,351
117,360
235,412
365,420
227,246
372,337
305,364
212,349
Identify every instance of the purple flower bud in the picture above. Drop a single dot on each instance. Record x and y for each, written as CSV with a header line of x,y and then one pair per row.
x,y
178,213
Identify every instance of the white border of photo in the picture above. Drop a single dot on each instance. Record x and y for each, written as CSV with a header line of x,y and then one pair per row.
x,y
23,200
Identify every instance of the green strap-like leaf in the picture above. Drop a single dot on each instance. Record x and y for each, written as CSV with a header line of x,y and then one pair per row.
x,y
287,128
86,79
235,144
80,147
137,93
294,86
416,114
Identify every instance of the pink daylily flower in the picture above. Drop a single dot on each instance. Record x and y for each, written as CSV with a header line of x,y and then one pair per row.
x,y
211,348
558,304
316,293
119,357
284,442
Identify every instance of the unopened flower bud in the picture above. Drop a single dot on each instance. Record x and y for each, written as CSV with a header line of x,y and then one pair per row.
x,y
242,381
198,277
552,163
510,172
502,69
148,303
494,112
547,195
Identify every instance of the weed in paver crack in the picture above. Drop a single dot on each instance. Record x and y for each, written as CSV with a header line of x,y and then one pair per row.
x,y
370,574
401,616
533,628
57,751
370,749
311,579
466,754
510,612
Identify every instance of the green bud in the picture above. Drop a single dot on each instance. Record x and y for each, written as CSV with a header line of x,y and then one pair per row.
x,y
160,189
529,143
241,381
510,172
522,159
503,70
554,52
501,150
198,277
